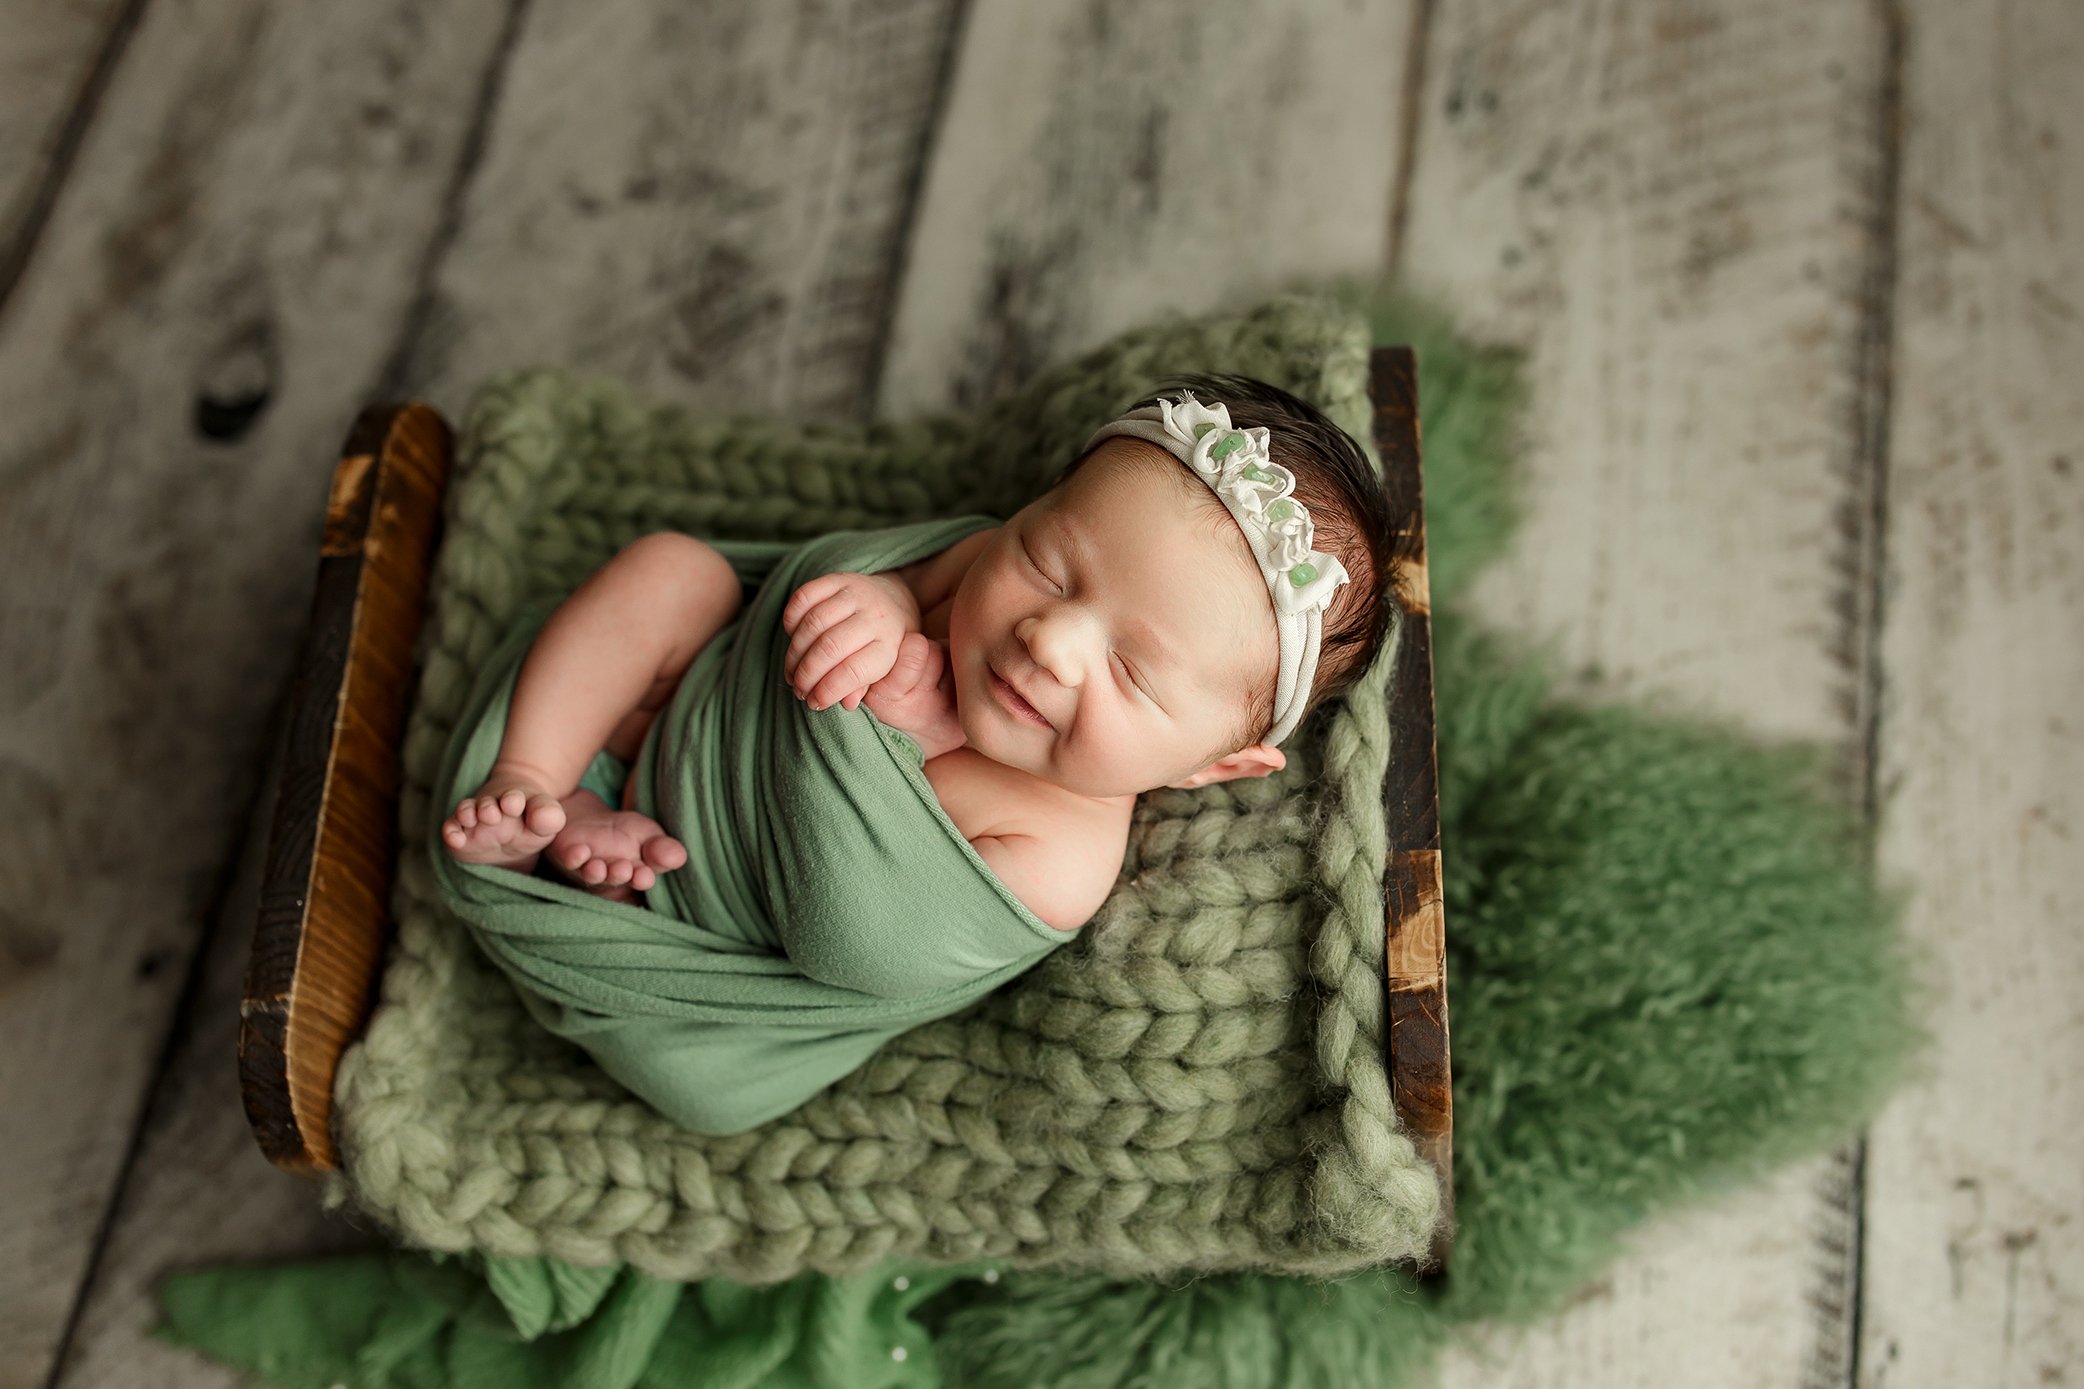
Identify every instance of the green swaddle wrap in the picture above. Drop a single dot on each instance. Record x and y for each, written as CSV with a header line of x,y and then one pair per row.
x,y
828,902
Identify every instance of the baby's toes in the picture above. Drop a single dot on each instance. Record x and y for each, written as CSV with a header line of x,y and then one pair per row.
x,y
619,872
663,851
488,810
569,855
466,814
642,878
541,814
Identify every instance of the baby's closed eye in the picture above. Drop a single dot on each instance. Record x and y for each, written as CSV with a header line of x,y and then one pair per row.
x,y
1135,681
1129,672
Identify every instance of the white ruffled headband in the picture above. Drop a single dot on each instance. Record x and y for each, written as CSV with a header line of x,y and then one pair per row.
x,y
1237,467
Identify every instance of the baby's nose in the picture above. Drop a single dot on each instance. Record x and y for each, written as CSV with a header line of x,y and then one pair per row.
x,y
1054,644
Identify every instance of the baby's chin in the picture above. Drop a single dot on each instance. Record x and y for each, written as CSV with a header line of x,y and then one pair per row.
x,y
976,721
984,740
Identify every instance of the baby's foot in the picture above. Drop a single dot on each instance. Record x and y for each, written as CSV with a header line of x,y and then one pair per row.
x,y
616,853
507,823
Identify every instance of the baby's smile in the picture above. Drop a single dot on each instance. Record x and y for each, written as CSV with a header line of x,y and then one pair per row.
x,y
1017,703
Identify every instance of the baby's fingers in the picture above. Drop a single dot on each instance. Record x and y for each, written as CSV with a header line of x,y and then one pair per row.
x,y
824,620
933,660
915,663
827,651
809,596
852,674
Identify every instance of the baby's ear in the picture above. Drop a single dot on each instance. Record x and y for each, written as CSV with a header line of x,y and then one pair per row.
x,y
1256,760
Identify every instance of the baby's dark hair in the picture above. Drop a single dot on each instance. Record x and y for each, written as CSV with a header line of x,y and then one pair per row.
x,y
1350,517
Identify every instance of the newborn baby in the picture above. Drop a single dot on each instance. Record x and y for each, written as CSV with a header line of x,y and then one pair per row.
x,y
1213,566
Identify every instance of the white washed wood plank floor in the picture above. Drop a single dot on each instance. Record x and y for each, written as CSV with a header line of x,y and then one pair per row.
x,y
1675,210
241,225
1799,288
1975,1180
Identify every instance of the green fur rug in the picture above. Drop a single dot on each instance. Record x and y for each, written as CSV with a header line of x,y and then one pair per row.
x,y
1670,973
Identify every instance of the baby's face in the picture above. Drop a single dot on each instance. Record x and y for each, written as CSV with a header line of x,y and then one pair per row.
x,y
1135,627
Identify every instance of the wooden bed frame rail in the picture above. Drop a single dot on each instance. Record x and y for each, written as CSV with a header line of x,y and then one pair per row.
x,y
324,914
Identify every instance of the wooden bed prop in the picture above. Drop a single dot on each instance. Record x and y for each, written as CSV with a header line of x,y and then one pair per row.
x,y
324,915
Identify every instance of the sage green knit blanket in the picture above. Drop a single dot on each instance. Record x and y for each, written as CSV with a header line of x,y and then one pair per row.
x,y
1195,1083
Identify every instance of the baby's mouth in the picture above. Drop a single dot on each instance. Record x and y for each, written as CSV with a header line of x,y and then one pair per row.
x,y
1013,700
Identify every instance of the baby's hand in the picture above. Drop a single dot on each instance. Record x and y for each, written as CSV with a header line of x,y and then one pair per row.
x,y
918,696
845,630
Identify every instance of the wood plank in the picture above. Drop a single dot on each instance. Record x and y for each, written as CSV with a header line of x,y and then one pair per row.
x,y
232,255
1975,1187
746,176
1081,188
53,59
201,1192
706,204
1671,206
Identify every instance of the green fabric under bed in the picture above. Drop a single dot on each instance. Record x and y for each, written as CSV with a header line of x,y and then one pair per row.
x,y
1195,1082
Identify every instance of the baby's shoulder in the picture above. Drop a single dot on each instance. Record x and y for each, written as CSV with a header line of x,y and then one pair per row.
x,y
1083,838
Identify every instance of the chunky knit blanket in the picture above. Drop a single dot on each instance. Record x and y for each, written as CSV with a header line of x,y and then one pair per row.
x,y
1196,1083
